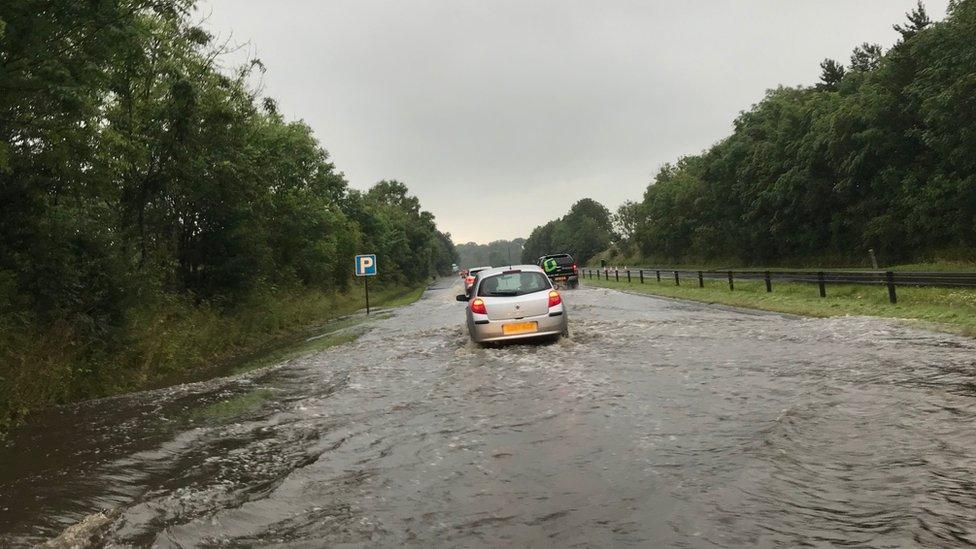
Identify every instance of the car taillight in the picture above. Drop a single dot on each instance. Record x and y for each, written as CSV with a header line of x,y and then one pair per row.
x,y
574,267
478,306
554,299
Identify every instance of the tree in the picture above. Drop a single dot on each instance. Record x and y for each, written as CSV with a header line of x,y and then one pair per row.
x,y
136,176
807,175
583,232
626,220
918,19
539,243
587,207
831,74
495,253
866,57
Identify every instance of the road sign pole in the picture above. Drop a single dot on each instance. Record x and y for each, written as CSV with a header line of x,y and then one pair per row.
x,y
366,284
366,267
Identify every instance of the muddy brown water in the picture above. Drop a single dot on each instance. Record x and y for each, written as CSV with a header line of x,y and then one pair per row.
x,y
657,423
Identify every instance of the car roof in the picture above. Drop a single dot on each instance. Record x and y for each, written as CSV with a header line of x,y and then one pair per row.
x,y
477,269
555,255
499,270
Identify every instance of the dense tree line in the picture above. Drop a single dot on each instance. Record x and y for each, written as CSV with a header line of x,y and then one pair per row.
x,y
495,253
880,154
133,170
586,230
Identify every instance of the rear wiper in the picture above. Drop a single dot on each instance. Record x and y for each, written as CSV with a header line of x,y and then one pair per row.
x,y
509,293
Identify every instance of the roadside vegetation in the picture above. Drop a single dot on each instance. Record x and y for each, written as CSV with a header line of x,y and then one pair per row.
x,y
496,253
877,155
877,158
586,230
952,310
159,215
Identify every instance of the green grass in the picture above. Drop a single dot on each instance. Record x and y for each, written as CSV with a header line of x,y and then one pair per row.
x,y
952,310
172,341
949,264
304,347
231,408
941,266
405,299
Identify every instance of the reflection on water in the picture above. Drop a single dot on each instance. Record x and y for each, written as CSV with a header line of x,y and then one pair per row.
x,y
656,423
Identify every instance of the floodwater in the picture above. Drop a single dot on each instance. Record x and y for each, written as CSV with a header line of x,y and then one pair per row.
x,y
657,423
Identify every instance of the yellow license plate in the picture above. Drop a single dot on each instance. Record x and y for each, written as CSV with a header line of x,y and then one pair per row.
x,y
520,328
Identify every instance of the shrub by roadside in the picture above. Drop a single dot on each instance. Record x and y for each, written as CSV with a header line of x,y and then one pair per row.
x,y
169,341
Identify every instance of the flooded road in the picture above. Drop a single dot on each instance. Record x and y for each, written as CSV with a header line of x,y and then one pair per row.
x,y
656,423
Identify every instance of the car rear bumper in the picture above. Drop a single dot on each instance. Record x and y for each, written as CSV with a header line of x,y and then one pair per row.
x,y
492,330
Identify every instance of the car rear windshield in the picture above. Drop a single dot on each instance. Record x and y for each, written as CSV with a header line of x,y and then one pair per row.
x,y
561,260
554,262
513,284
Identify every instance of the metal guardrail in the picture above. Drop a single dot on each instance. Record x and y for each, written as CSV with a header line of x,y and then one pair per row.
x,y
890,279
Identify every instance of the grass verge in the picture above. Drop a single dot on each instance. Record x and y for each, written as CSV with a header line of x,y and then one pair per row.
x,y
172,341
952,310
335,333
225,410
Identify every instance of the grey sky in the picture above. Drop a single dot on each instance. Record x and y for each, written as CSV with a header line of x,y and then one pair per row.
x,y
500,114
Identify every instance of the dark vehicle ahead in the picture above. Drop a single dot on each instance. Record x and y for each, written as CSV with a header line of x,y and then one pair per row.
x,y
560,268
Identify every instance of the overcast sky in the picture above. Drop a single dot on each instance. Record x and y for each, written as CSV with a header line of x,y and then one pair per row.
x,y
500,114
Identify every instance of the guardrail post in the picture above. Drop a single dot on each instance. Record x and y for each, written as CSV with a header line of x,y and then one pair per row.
x,y
769,282
701,280
628,276
658,275
890,279
822,284
731,283
641,273
676,281
616,275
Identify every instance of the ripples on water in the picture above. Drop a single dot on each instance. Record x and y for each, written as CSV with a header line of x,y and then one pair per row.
x,y
656,423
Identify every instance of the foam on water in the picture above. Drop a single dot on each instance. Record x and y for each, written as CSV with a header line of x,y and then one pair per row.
x,y
656,422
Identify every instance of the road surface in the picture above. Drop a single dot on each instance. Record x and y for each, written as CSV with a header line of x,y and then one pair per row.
x,y
657,423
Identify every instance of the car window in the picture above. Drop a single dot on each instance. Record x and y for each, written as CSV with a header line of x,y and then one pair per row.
x,y
513,284
553,262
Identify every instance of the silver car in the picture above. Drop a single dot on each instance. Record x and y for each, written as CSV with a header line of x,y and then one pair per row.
x,y
516,302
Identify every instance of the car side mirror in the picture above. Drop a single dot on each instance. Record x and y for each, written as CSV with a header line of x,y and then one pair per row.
x,y
462,297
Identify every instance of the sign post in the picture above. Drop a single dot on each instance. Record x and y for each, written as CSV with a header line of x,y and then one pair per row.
x,y
366,267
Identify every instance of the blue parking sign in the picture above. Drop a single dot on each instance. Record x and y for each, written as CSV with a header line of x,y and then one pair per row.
x,y
366,265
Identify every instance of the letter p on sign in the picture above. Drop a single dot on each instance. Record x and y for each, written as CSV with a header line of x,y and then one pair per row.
x,y
366,265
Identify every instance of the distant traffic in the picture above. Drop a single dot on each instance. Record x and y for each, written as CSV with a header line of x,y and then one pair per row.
x,y
518,302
